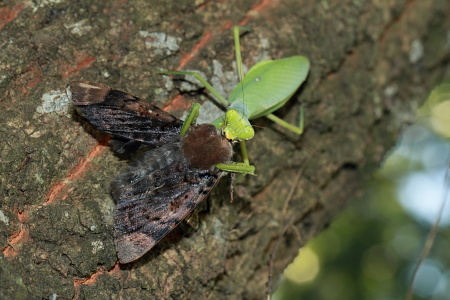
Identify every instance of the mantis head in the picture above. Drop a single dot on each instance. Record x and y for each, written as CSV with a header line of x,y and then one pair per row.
x,y
236,127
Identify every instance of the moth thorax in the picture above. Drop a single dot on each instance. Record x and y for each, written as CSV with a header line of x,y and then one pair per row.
x,y
204,147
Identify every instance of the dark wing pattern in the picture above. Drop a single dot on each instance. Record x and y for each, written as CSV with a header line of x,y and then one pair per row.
x,y
155,193
124,115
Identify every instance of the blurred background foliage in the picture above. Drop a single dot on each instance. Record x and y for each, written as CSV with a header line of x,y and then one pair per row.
x,y
372,249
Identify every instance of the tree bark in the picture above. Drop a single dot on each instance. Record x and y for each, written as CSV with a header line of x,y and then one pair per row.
x,y
372,64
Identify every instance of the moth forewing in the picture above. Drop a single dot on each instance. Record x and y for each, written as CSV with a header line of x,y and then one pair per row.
x,y
124,115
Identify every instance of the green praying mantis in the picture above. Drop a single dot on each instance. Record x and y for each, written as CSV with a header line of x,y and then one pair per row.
x,y
267,86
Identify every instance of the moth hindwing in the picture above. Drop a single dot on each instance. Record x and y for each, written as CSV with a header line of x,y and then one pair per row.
x,y
162,184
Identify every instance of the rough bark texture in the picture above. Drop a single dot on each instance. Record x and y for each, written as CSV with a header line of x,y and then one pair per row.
x,y
372,64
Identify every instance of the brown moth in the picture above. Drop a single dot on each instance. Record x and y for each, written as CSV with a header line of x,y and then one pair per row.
x,y
163,184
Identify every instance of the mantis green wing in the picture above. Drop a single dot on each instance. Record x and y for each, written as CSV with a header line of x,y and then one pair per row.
x,y
268,86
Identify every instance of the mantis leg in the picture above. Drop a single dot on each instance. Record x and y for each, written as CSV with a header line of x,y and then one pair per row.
x,y
203,81
191,118
237,168
295,129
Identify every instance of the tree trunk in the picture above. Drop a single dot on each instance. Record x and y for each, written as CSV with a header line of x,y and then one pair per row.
x,y
372,64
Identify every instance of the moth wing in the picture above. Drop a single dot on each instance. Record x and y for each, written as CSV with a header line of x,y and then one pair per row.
x,y
124,115
153,196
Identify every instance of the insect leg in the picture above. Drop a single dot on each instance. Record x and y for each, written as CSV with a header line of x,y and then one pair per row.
x,y
203,81
295,129
191,118
237,168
